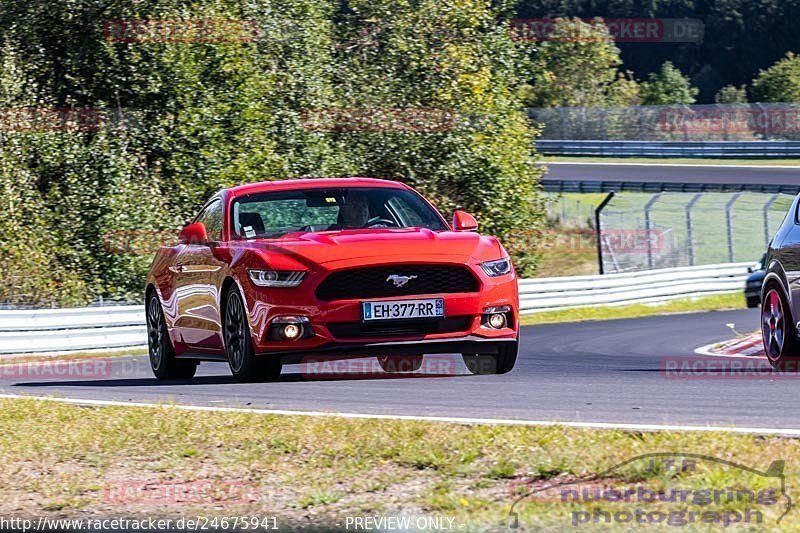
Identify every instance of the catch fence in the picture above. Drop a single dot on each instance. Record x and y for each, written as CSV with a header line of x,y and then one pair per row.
x,y
711,122
642,231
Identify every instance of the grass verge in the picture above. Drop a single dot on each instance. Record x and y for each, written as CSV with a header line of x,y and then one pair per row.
x,y
96,354
719,302
675,161
307,472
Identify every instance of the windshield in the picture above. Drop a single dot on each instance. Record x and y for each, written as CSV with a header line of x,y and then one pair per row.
x,y
271,215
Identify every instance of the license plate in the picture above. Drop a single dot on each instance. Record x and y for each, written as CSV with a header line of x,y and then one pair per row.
x,y
402,309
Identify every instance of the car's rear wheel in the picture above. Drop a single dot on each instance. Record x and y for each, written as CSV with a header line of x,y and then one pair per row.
x,y
501,363
162,355
244,363
400,363
778,331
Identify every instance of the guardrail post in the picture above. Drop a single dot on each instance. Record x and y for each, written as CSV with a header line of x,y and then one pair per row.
x,y
648,226
766,217
729,223
724,121
690,226
598,229
603,123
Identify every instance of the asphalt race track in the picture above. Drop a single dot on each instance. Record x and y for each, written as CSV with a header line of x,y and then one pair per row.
x,y
590,372
653,172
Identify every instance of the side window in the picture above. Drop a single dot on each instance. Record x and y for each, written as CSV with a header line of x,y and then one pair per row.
x,y
211,217
407,214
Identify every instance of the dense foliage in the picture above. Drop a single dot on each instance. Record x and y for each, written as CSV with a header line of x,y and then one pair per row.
x,y
741,36
667,86
183,119
780,82
579,66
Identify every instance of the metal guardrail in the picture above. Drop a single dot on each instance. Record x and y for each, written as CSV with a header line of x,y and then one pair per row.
x,y
61,330
546,294
64,330
688,149
558,185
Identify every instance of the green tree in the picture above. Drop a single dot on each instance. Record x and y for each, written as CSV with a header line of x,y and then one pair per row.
x,y
185,119
453,56
578,65
667,87
780,82
731,94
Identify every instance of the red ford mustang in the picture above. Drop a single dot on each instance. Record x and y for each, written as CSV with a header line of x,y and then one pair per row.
x,y
272,273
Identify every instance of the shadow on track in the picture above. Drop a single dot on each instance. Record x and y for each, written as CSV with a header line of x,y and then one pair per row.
x,y
217,380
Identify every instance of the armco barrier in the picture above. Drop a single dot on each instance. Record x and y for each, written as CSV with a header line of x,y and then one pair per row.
x,y
57,330
544,294
735,149
61,330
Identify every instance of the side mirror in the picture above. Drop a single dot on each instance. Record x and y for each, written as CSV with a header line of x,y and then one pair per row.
x,y
463,221
194,233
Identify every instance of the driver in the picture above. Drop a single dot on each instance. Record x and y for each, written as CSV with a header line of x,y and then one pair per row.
x,y
355,212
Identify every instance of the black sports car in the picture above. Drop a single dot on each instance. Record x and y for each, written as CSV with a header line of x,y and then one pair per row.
x,y
752,287
780,294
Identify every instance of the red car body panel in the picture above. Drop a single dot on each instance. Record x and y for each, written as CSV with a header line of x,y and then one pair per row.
x,y
191,279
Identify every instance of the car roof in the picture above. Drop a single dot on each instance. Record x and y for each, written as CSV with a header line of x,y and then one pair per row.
x,y
313,183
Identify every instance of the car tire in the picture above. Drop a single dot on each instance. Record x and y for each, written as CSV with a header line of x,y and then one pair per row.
x,y
163,362
245,365
753,302
400,363
778,332
502,363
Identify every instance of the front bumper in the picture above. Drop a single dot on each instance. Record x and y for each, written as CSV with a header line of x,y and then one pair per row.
x,y
753,292
336,327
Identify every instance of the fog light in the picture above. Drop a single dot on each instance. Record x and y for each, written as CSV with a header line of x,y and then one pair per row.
x,y
497,320
292,331
290,328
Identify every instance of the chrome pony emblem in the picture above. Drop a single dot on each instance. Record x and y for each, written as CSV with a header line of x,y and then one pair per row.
x,y
400,281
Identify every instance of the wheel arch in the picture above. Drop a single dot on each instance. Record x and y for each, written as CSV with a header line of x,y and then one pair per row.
x,y
225,288
775,273
148,290
773,278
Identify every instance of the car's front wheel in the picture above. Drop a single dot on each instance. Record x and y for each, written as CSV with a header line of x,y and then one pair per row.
x,y
245,364
162,355
501,363
778,331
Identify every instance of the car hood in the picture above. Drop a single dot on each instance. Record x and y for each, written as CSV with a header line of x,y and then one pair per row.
x,y
377,245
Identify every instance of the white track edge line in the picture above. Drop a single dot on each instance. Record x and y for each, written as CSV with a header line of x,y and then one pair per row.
x,y
788,432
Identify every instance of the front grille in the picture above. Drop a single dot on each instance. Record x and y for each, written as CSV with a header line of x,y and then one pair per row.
x,y
351,330
373,282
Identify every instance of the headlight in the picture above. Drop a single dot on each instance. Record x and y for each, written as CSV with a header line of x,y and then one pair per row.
x,y
276,278
498,267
